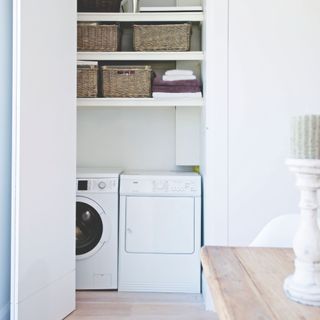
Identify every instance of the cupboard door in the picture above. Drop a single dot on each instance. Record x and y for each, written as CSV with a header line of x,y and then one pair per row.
x,y
44,159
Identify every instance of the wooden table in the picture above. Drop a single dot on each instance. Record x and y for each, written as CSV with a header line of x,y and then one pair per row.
x,y
246,284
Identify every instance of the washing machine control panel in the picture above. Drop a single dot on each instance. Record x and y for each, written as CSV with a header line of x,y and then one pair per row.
x,y
103,185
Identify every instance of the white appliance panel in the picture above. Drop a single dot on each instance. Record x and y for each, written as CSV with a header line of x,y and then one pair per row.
x,y
160,232
178,184
160,225
102,185
145,272
97,269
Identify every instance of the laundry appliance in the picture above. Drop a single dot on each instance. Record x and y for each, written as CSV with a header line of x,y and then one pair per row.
x,y
97,212
160,232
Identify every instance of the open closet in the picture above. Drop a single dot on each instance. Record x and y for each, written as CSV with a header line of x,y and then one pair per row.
x,y
129,133
143,133
139,109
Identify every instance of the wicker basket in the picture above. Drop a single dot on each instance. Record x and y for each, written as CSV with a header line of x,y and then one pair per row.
x,y
126,81
165,37
99,5
97,37
87,84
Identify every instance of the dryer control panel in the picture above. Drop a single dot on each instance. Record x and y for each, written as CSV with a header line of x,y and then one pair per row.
x,y
173,186
103,185
168,186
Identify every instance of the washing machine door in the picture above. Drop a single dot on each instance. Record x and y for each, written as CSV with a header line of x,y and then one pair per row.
x,y
92,227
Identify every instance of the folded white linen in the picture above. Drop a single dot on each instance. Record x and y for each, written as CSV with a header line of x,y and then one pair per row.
x,y
87,63
178,72
177,95
177,78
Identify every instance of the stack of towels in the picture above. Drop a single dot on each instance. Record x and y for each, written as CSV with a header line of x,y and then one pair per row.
x,y
176,84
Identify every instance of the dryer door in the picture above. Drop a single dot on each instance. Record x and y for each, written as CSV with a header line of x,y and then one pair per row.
x,y
160,225
92,227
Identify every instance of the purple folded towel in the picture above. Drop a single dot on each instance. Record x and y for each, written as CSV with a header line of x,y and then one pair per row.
x,y
157,81
175,89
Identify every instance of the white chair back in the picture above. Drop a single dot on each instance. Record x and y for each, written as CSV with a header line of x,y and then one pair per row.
x,y
278,233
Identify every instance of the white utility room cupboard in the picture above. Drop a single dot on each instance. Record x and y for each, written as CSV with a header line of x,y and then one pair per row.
x,y
261,65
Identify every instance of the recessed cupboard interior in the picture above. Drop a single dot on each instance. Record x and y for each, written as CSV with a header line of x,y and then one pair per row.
x,y
130,133
143,133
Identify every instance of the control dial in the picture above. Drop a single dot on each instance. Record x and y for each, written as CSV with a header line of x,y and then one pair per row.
x,y
102,185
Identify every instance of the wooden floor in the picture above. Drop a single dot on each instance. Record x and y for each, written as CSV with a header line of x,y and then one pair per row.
x,y
139,306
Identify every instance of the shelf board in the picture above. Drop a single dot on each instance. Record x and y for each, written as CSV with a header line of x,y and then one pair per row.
x,y
142,17
138,102
141,56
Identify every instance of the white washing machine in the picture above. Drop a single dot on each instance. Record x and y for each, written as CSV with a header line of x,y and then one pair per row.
x,y
97,229
160,232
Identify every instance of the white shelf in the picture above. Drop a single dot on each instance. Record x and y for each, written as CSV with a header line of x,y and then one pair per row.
x,y
171,9
138,102
142,17
141,56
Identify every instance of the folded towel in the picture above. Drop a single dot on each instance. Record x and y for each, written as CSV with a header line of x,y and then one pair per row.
x,y
157,81
178,72
177,95
176,78
176,89
87,63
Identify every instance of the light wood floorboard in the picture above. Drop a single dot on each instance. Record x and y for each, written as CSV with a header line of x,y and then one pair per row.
x,y
107,305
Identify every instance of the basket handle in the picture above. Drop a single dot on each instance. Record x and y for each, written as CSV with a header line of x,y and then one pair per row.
x,y
126,72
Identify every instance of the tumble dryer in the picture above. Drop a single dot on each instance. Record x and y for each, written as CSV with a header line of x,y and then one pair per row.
x,y
97,229
160,232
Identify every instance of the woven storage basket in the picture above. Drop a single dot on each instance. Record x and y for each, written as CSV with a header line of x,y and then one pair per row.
x,y
99,5
126,81
87,82
165,37
97,37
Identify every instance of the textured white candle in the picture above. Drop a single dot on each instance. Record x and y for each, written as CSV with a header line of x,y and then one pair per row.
x,y
305,137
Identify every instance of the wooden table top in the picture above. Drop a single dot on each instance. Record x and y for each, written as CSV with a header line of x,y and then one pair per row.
x,y
246,284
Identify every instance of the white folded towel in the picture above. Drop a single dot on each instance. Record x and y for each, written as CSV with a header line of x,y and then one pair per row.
x,y
87,63
177,78
178,72
177,95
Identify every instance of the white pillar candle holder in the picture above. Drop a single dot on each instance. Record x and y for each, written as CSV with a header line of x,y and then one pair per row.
x,y
304,284
135,6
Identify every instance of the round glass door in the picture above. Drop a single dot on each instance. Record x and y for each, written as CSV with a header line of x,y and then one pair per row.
x,y
89,228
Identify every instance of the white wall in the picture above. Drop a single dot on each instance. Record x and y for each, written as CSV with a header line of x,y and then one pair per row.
x,y
262,67
215,123
130,138
274,74
5,155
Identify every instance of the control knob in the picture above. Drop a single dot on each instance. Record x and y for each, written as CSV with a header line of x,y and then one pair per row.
x,y
102,185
